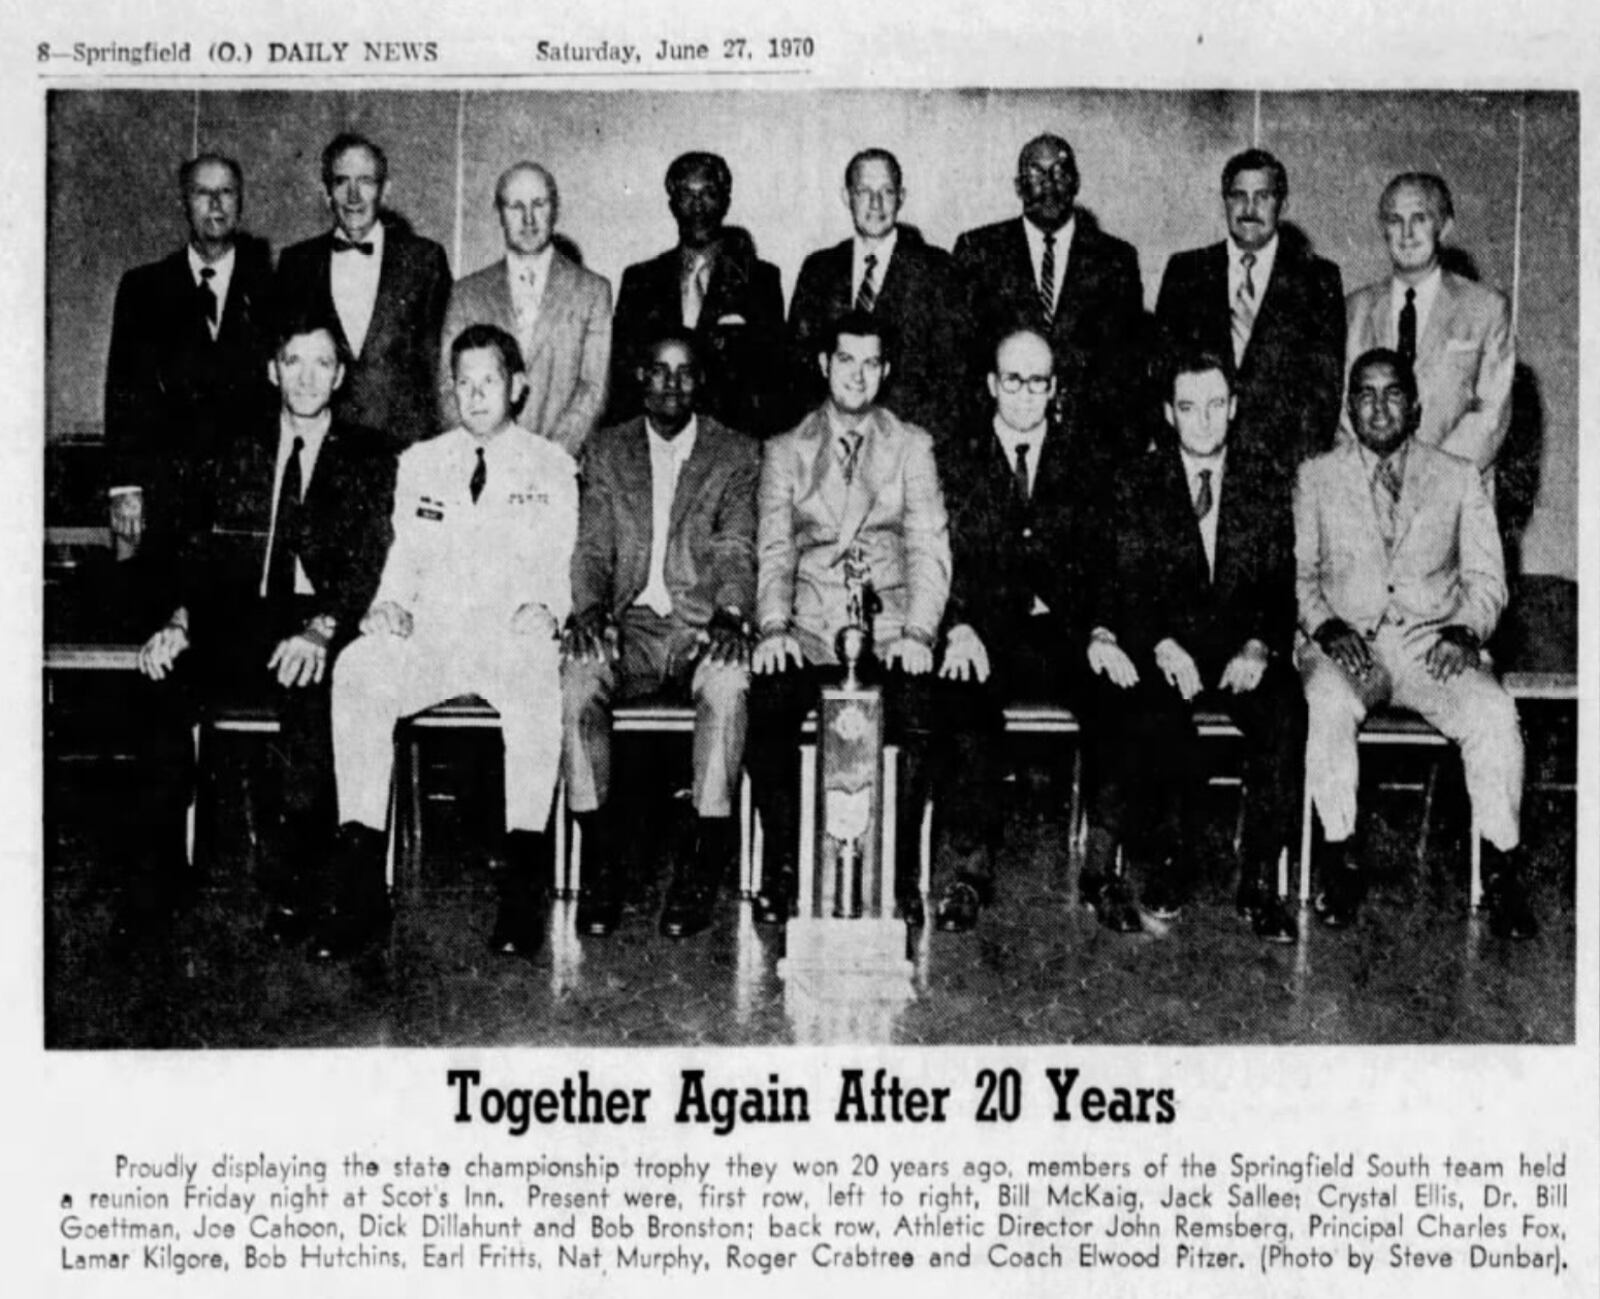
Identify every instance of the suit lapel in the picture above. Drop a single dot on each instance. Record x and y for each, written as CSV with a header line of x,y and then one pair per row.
x,y
697,471
1431,344
1020,267
1273,301
1415,487
390,274
191,320
1213,289
322,277
558,285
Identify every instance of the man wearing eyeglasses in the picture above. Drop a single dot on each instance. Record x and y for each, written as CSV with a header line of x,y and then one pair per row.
x,y
1053,269
887,270
559,313
1018,529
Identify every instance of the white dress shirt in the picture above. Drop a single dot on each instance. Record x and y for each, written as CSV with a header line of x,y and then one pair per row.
x,y
1063,247
314,436
667,459
527,276
882,249
1427,290
1260,272
221,278
353,279
1192,468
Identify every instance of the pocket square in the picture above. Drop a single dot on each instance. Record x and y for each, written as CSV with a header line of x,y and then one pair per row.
x,y
734,319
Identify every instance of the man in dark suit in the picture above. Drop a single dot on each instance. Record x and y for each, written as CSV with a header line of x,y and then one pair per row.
x,y
385,287
663,588
1193,605
272,586
1052,269
190,338
1018,527
712,285
1261,297
888,270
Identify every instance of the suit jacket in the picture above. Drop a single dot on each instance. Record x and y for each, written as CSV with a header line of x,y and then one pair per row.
x,y
343,523
743,349
1465,363
810,519
389,386
1097,330
568,358
710,560
1446,565
920,298
1288,383
1150,578
174,395
1005,552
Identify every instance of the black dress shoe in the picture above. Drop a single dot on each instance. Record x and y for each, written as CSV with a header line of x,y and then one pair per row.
x,y
1273,922
1163,900
958,909
1113,907
519,924
1344,886
599,913
911,910
360,916
774,903
1510,915
687,910
1250,898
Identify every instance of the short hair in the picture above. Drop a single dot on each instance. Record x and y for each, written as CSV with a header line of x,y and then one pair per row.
x,y
1257,160
309,321
860,324
1430,184
491,337
1060,144
344,141
663,338
1403,370
873,155
186,170
687,162
1196,360
1022,331
525,165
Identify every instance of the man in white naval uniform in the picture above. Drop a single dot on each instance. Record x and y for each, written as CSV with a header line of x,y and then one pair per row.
x,y
472,599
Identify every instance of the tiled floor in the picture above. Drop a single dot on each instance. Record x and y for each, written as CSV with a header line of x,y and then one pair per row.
x,y
1038,970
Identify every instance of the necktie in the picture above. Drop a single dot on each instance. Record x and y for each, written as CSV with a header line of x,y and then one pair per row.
x,y
849,452
1047,277
480,475
694,291
867,297
208,295
286,528
1389,497
1244,309
1020,474
1408,327
364,246
1203,498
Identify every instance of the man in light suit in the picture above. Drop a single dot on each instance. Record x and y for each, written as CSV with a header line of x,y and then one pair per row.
x,y
663,588
1264,299
851,482
713,285
1400,581
1054,270
888,270
559,313
386,287
1456,333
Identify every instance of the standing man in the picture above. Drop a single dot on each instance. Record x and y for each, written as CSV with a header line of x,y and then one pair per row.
x,y
663,588
1401,581
1053,270
1456,334
474,590
852,482
559,313
1194,608
1018,528
713,286
271,589
191,336
888,271
386,287
1263,299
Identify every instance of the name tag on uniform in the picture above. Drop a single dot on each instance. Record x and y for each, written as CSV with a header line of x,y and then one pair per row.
x,y
538,497
429,508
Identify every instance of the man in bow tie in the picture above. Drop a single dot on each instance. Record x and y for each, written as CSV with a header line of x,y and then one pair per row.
x,y
384,286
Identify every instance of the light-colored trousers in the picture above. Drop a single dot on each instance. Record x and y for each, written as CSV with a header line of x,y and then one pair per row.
x,y
1472,709
381,678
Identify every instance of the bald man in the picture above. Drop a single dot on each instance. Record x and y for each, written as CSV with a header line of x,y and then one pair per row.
x,y
559,313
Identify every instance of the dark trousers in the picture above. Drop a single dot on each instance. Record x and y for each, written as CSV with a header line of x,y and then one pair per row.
x,y
779,703
1148,758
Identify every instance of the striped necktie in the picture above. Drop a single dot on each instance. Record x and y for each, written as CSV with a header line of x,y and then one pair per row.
x,y
867,296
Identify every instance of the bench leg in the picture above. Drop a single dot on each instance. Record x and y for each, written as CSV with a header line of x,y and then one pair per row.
x,y
411,842
573,849
890,829
925,846
566,856
1077,823
1306,813
191,815
1476,891
396,861
747,863
1423,835
807,859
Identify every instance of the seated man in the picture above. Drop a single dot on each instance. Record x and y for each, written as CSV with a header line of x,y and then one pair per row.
x,y
295,512
1401,580
852,482
663,583
473,593
1018,527
1194,607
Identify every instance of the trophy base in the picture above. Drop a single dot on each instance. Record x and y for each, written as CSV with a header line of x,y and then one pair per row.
x,y
845,980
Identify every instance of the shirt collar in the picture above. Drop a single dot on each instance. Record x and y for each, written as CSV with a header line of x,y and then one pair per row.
x,y
1010,438
679,448
1063,235
1374,461
688,260
1261,269
538,263
1427,290
882,249
313,436
1194,466
223,266
373,237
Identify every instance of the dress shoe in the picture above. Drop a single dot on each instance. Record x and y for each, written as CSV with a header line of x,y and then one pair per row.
x,y
1505,897
1343,888
1113,907
958,909
1250,898
599,913
687,910
1162,898
692,898
911,910
1272,920
519,923
359,916
775,901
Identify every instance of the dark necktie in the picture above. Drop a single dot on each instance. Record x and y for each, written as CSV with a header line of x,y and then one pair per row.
x,y
286,528
1244,308
849,452
1021,473
1047,277
364,246
1408,327
480,475
1203,499
867,297
208,295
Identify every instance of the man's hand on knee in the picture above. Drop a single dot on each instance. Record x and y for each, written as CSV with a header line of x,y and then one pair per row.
x,y
726,638
534,619
1345,646
387,618
774,653
1453,653
589,638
